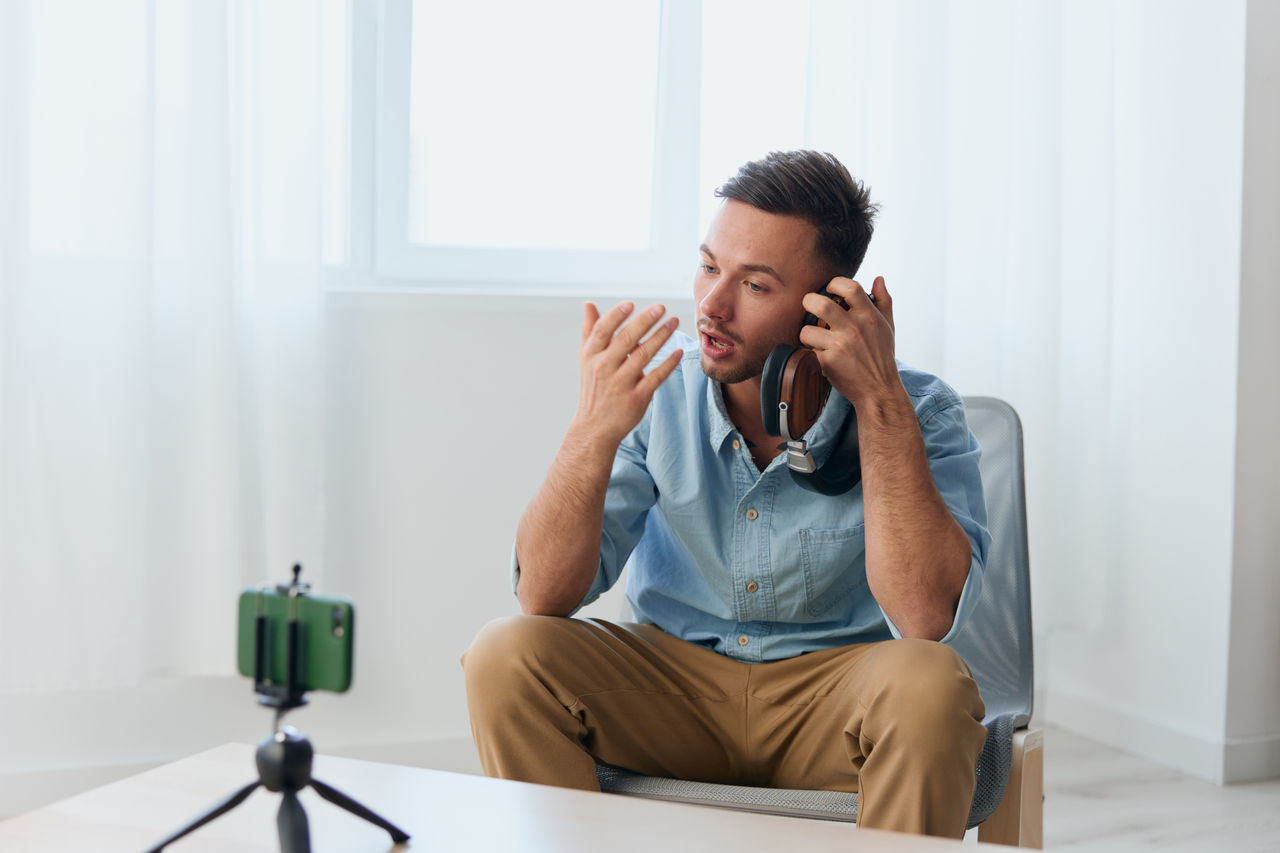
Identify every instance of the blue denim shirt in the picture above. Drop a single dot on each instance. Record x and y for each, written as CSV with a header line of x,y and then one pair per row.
x,y
783,580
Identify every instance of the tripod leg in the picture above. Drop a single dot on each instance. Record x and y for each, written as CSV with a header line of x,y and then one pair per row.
x,y
291,820
333,795
217,811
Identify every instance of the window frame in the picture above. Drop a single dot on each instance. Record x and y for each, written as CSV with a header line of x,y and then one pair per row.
x,y
380,253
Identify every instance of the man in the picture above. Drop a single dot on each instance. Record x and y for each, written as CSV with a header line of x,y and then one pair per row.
x,y
783,638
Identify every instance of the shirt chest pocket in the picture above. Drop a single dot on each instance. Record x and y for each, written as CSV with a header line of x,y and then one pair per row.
x,y
834,564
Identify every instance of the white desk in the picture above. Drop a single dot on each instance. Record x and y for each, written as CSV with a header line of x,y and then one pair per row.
x,y
443,812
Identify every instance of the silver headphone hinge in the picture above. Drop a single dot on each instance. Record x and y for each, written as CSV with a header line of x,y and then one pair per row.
x,y
798,456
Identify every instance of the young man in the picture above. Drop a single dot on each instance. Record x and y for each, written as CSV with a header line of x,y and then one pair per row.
x,y
783,638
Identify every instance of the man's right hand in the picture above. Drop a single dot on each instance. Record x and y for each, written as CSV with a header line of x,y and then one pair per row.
x,y
558,542
615,391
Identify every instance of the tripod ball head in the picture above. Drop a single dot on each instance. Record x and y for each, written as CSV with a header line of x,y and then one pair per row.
x,y
284,760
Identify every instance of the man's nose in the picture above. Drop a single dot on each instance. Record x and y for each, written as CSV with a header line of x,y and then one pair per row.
x,y
717,303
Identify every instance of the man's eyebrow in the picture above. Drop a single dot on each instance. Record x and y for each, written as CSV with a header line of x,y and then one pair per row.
x,y
764,268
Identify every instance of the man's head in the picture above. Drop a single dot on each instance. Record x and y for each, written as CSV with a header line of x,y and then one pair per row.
x,y
790,223
817,188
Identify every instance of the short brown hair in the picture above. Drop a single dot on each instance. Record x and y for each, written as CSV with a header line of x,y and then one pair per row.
x,y
816,187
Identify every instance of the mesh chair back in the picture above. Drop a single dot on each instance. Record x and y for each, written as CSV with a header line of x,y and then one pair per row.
x,y
996,640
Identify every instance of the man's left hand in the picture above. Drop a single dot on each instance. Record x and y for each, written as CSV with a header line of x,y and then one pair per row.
x,y
857,352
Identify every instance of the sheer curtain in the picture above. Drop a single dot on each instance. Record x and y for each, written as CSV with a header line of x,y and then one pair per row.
x,y
960,136
160,248
1062,195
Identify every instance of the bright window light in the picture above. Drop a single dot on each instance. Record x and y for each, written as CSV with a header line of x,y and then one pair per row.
x,y
532,124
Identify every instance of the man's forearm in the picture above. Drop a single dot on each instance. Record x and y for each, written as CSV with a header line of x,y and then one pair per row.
x,y
558,540
918,556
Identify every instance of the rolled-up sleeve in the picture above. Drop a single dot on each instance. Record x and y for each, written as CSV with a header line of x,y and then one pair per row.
x,y
953,454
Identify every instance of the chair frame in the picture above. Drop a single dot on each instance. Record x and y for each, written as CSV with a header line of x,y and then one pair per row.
x,y
1019,819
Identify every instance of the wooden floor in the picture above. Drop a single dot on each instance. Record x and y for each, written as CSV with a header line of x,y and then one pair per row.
x,y
1098,798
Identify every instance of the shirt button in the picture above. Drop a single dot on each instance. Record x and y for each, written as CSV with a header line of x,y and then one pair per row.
x,y
752,586
743,640
752,515
737,444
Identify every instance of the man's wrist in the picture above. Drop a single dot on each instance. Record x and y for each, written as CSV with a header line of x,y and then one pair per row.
x,y
890,408
586,438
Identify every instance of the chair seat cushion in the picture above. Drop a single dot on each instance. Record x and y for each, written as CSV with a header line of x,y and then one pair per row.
x,y
992,774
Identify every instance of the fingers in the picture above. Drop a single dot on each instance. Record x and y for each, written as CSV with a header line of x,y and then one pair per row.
x,y
659,374
814,337
865,312
826,309
883,300
608,335
627,341
643,353
614,389
590,316
849,290
858,300
600,335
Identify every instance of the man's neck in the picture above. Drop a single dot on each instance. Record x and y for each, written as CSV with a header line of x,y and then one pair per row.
x,y
742,403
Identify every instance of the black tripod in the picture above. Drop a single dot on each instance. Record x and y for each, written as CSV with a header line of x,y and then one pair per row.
x,y
284,758
284,766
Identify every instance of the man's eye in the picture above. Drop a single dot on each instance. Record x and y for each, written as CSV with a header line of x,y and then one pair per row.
x,y
708,269
755,288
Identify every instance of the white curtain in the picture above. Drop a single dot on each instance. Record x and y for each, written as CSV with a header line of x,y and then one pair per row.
x,y
1061,189
160,249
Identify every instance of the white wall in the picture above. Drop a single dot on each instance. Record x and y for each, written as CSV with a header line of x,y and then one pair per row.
x,y
1136,647
1161,634
443,415
1253,685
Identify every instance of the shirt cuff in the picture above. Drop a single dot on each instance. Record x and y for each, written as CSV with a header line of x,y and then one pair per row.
x,y
968,600
515,569
597,586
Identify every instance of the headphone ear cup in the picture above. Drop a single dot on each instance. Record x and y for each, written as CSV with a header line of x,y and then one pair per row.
x,y
805,389
771,387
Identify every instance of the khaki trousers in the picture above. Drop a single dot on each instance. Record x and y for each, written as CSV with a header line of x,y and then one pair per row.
x,y
898,722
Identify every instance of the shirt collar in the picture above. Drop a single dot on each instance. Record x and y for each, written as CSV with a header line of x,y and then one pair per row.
x,y
721,426
823,436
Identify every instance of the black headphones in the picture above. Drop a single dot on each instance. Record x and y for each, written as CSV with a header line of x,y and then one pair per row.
x,y
793,393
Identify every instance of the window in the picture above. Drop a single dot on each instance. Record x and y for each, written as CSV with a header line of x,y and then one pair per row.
x,y
501,146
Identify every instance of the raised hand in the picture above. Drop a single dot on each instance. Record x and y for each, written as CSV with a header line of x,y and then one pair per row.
x,y
614,390
857,351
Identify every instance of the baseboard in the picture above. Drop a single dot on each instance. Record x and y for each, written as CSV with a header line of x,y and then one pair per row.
x,y
24,791
1252,759
454,753
1217,760
1179,750
145,723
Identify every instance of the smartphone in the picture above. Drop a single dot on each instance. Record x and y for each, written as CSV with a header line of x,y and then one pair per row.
x,y
326,632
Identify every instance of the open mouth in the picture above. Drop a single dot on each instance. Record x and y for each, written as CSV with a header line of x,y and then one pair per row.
x,y
716,346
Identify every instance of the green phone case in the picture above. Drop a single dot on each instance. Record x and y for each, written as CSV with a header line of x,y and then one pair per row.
x,y
326,634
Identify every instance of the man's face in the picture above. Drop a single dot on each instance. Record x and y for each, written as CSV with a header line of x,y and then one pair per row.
x,y
755,269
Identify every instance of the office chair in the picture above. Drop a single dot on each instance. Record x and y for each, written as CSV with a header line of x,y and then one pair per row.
x,y
995,642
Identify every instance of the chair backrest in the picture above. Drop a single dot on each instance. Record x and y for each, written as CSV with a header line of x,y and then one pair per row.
x,y
996,640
